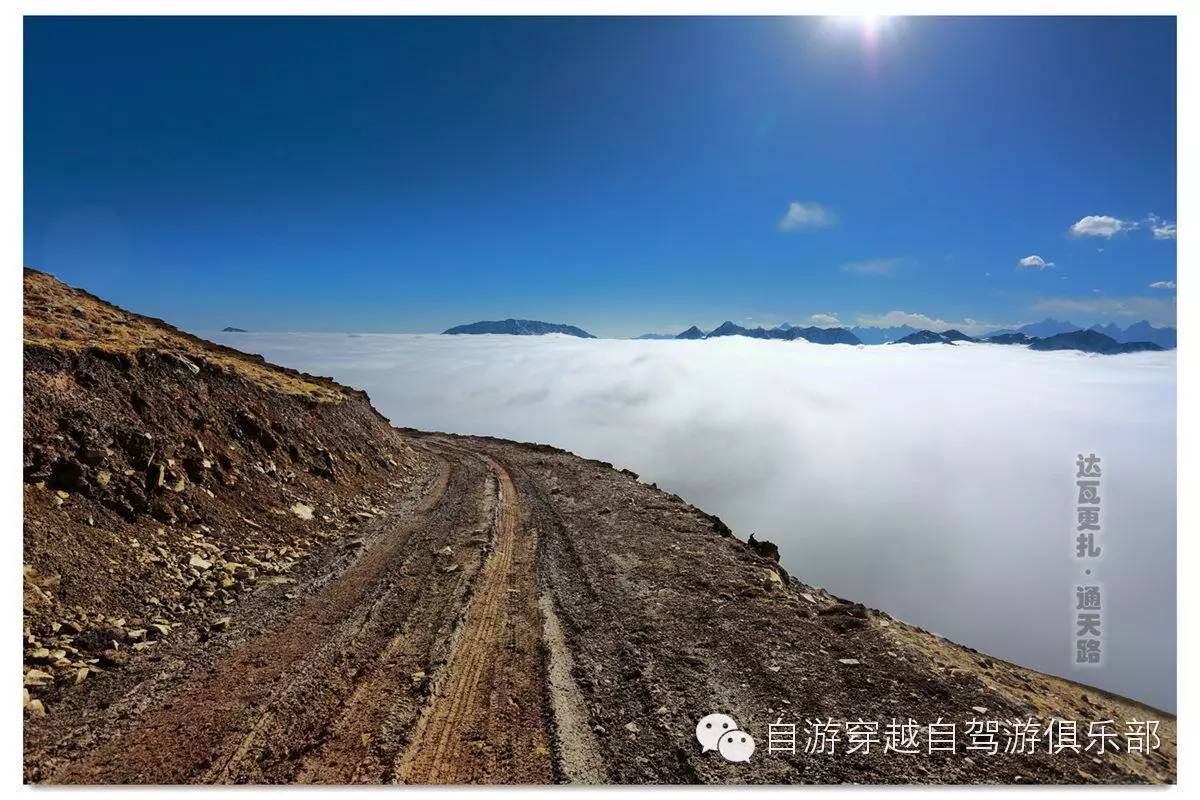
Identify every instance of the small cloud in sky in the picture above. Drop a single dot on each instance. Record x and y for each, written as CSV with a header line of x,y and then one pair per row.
x,y
1161,228
1163,285
806,216
873,266
829,319
1108,227
1034,262
1101,225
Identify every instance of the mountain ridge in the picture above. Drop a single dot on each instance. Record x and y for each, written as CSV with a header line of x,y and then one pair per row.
x,y
1090,341
1135,334
518,327
1141,331
1086,341
783,332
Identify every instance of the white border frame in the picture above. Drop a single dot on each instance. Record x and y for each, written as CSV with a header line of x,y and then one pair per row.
x,y
12,224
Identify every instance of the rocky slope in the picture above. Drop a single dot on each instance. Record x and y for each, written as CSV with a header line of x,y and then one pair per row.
x,y
239,573
165,477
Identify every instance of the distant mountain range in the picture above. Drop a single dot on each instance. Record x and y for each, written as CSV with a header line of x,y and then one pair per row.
x,y
1009,338
1086,341
873,335
922,337
1047,327
1136,335
1165,337
784,332
519,327
931,337
1090,341
1049,334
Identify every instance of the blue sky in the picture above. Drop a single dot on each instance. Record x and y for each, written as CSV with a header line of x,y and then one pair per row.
x,y
624,175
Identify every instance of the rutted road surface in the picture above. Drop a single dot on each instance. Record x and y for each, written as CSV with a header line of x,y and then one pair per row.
x,y
417,659
523,615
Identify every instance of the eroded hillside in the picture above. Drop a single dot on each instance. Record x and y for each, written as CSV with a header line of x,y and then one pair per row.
x,y
165,477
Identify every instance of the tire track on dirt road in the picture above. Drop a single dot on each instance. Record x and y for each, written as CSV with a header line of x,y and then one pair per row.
x,y
362,743
429,656
243,762
250,714
487,720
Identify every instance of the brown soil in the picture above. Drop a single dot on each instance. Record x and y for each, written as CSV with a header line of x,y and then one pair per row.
x,y
270,584
485,717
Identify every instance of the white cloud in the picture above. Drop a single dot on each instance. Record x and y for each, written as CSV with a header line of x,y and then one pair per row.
x,y
1160,311
873,266
829,320
894,319
1163,285
1109,227
1034,262
1101,226
910,499
1161,228
805,216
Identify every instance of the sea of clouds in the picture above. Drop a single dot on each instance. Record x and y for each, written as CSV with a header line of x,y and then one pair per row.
x,y
934,482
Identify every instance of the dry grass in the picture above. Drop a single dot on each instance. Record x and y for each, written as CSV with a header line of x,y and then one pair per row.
x,y
1047,697
59,316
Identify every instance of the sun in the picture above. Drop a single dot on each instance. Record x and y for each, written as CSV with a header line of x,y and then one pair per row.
x,y
871,25
871,29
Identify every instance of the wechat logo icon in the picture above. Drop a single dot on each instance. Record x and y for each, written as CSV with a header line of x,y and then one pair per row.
x,y
720,732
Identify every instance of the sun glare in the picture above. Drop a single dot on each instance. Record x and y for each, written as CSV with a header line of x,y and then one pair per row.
x,y
870,28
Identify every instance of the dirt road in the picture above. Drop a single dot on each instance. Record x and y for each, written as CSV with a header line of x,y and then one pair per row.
x,y
527,616
415,657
